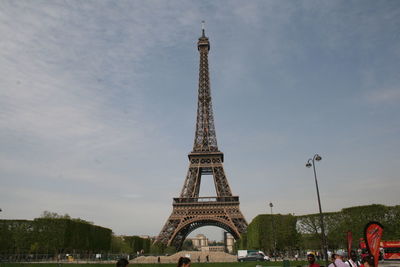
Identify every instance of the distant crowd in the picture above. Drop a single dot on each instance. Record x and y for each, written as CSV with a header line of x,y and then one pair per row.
x,y
182,262
340,259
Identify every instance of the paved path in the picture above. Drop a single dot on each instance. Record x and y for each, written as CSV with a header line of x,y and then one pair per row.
x,y
195,256
390,264
215,257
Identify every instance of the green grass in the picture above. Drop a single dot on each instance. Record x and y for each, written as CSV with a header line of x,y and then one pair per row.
x,y
226,264
216,264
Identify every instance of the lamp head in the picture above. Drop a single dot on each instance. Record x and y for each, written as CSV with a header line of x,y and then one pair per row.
x,y
308,164
317,157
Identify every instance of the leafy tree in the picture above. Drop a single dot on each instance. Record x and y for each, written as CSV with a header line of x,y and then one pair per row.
x,y
241,243
160,248
157,248
270,232
137,243
118,245
34,248
170,250
353,219
53,215
6,237
295,232
52,233
187,244
22,232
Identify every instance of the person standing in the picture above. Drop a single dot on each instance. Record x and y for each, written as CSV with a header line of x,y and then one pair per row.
x,y
337,259
183,262
353,262
311,261
368,261
122,262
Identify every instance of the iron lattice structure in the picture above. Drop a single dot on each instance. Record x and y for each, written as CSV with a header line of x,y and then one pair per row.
x,y
189,210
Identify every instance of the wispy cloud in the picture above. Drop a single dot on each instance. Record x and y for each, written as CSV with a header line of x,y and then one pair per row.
x,y
384,96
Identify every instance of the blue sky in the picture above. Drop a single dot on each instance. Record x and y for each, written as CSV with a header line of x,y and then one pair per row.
x,y
98,105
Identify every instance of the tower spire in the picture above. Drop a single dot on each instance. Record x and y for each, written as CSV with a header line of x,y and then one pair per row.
x,y
202,28
205,139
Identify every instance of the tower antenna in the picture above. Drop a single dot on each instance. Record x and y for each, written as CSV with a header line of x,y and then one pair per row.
x,y
202,27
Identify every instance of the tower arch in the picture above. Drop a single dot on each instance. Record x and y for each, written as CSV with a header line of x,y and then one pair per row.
x,y
192,224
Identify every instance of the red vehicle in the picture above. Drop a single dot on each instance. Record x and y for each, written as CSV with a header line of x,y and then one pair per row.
x,y
390,250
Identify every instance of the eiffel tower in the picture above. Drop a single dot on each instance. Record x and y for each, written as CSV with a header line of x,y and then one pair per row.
x,y
189,210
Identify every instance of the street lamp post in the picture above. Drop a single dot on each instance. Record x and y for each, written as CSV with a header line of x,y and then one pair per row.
x,y
311,162
273,242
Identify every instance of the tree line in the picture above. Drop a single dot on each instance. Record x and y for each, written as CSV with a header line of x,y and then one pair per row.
x,y
54,234
289,233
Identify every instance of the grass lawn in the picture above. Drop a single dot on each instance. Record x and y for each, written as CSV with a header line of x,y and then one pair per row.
x,y
217,264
